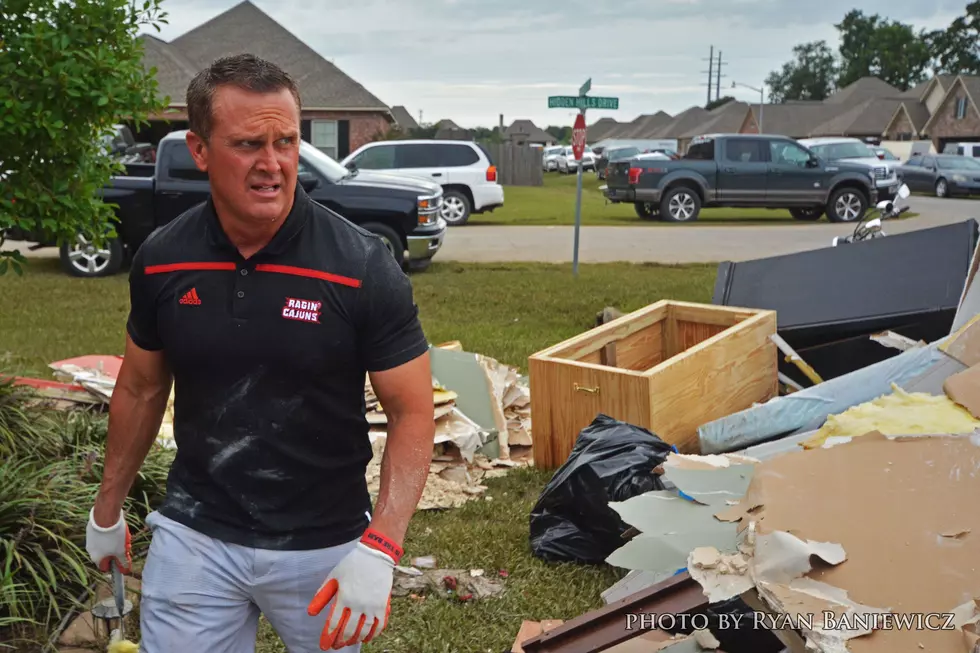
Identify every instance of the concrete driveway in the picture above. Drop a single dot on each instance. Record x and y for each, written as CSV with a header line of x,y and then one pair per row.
x,y
662,244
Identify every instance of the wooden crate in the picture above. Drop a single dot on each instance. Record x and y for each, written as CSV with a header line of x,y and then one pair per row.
x,y
669,367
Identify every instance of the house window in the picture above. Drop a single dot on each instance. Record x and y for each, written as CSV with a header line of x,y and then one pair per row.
x,y
324,137
960,108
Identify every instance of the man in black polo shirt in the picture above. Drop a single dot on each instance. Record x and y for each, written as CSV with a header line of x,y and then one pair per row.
x,y
265,310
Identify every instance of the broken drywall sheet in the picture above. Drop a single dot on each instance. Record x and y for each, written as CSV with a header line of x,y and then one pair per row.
x,y
807,409
900,507
964,344
707,481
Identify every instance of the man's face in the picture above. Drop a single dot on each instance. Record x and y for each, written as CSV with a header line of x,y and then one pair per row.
x,y
252,156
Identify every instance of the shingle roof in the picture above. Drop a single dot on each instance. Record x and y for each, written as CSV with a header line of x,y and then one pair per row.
x,y
862,90
682,122
869,117
529,130
647,126
403,118
601,129
972,84
726,119
246,28
793,119
918,114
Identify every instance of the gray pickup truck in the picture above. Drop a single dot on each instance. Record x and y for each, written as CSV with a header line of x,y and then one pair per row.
x,y
742,170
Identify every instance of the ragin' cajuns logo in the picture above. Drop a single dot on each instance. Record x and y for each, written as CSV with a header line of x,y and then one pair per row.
x,y
303,310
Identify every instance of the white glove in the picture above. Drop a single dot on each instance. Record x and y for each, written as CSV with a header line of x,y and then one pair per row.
x,y
361,582
107,544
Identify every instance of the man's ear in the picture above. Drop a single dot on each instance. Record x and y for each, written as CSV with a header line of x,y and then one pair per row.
x,y
199,150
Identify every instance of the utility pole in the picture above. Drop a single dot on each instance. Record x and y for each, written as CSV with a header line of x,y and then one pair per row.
x,y
710,71
718,76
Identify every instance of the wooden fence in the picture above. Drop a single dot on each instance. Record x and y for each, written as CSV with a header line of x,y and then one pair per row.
x,y
517,165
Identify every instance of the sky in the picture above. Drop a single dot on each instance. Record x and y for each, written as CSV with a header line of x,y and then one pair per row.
x,y
472,60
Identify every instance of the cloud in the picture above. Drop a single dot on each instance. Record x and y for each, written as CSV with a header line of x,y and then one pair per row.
x,y
470,60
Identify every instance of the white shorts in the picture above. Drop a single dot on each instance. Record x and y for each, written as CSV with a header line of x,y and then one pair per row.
x,y
202,594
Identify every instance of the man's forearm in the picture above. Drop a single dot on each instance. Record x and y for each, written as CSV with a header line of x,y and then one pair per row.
x,y
404,470
134,422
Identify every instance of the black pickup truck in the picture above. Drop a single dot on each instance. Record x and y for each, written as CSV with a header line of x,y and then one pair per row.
x,y
403,210
750,170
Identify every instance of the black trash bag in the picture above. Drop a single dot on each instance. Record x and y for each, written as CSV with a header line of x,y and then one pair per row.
x,y
611,461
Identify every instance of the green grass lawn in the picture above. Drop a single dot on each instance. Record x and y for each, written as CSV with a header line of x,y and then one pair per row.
x,y
504,311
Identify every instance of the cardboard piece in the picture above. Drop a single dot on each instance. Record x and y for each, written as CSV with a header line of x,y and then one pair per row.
x,y
531,629
964,389
964,345
899,508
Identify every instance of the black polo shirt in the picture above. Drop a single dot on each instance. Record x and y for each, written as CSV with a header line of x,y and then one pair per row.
x,y
269,357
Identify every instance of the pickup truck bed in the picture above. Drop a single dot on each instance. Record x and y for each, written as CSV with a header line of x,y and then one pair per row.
x,y
755,171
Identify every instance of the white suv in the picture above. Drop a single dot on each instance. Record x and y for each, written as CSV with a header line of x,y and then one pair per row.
x,y
464,168
854,150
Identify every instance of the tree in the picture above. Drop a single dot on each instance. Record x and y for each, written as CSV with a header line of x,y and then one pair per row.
x,y
889,50
808,76
71,69
717,102
957,48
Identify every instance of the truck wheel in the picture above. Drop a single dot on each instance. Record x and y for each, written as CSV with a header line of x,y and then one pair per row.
x,y
455,208
808,214
647,210
390,238
680,205
82,258
846,204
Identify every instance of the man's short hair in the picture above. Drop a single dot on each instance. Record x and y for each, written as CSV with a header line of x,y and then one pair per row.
x,y
246,71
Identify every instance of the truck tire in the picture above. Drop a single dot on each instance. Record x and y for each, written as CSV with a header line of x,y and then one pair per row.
x,y
846,204
809,214
647,210
82,259
390,238
680,204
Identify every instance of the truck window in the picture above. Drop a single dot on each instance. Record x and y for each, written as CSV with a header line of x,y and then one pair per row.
x,y
180,164
744,150
914,161
788,153
702,150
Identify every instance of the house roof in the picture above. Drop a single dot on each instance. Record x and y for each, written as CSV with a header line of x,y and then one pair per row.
x,y
647,126
682,122
246,28
869,117
602,128
862,90
917,112
403,118
793,119
528,129
725,119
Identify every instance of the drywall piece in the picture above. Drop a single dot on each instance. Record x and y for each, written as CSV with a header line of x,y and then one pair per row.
x,y
662,512
901,508
665,554
964,389
772,448
932,379
808,408
964,344
631,583
712,487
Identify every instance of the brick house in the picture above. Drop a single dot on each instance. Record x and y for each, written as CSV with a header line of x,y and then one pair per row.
x,y
339,114
957,117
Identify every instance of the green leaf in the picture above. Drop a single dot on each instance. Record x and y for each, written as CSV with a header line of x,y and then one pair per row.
x,y
3,266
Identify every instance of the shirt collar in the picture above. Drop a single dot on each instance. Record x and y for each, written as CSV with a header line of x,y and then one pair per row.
x,y
290,228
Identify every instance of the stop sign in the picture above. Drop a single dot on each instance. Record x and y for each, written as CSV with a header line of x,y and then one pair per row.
x,y
578,137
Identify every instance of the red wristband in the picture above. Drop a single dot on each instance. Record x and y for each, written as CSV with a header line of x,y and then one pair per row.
x,y
376,540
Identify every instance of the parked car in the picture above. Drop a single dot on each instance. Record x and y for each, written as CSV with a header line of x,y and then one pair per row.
x,y
944,175
856,151
613,154
549,161
464,170
567,162
758,171
965,149
404,212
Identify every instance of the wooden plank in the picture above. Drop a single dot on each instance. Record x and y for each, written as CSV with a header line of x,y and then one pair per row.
x,y
709,314
598,337
690,334
720,376
642,349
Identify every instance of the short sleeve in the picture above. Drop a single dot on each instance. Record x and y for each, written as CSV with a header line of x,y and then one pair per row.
x,y
390,333
142,322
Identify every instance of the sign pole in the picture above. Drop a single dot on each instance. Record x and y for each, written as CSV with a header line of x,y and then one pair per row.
x,y
578,206
582,102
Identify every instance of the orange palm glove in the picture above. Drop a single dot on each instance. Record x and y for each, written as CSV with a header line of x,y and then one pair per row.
x,y
361,584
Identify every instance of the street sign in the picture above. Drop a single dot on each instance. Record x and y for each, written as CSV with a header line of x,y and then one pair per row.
x,y
586,87
578,137
582,102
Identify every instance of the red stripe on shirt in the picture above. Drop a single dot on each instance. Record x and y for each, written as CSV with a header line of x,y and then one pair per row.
x,y
307,272
175,267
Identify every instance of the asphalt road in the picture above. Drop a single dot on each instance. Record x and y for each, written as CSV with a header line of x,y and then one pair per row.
x,y
662,244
